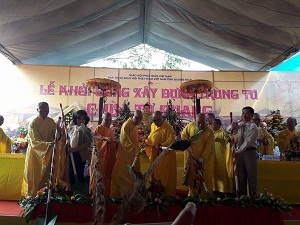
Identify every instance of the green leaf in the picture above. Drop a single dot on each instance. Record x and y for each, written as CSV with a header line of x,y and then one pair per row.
x,y
158,210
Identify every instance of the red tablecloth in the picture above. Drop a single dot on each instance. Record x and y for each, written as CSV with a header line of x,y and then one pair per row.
x,y
212,215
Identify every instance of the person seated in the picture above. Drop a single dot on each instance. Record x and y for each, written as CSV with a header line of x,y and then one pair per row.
x,y
5,142
265,141
147,120
288,136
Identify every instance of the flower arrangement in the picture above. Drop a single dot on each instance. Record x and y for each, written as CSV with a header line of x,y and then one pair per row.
x,y
59,195
156,199
292,153
123,113
156,189
20,139
172,116
274,122
158,202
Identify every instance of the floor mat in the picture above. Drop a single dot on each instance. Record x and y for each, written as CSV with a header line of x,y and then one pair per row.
x,y
9,208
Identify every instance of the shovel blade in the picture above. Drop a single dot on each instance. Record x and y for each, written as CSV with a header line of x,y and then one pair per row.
x,y
46,220
180,145
131,172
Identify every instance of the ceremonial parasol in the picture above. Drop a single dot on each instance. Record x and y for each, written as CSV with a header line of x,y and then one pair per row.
x,y
192,88
105,87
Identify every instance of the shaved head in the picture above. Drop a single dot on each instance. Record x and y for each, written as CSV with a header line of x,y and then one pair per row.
x,y
201,121
43,109
137,117
158,118
256,119
106,119
1,120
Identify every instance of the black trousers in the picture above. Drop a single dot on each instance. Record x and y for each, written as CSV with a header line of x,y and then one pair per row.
x,y
79,165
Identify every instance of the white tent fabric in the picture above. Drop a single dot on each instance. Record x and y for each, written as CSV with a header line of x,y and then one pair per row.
x,y
224,34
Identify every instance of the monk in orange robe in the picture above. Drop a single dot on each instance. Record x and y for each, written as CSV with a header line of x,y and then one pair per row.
x,y
107,150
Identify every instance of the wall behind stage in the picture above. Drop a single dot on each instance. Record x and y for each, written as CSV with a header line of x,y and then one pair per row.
x,y
264,91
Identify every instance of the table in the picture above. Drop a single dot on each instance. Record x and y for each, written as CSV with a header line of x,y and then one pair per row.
x,y
11,175
282,178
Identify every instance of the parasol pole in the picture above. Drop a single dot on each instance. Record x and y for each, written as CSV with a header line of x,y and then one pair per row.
x,y
101,103
195,105
198,105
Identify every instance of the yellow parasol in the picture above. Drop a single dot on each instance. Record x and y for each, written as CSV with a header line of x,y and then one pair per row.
x,y
106,87
192,88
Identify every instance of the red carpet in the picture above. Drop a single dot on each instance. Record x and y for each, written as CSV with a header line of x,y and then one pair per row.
x,y
294,214
9,208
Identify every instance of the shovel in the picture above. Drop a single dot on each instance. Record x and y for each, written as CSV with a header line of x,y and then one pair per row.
x,y
198,166
49,219
180,145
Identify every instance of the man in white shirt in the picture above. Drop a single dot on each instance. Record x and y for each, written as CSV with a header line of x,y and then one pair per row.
x,y
246,153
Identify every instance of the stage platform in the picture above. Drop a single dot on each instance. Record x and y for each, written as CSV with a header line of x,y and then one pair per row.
x,y
10,214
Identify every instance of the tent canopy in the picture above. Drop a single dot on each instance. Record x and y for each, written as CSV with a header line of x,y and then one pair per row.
x,y
224,34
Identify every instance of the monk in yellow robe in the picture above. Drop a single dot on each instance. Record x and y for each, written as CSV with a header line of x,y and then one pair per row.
x,y
121,182
223,171
162,133
5,141
62,164
202,147
107,150
285,137
209,119
265,141
145,124
40,145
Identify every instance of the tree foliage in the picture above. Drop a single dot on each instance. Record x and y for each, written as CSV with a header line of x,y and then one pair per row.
x,y
147,57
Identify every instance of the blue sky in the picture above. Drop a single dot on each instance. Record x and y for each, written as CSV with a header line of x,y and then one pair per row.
x,y
291,64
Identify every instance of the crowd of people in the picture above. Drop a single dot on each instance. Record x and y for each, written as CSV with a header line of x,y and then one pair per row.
x,y
210,158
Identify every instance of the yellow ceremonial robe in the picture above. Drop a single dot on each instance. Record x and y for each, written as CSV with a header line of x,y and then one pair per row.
x,y
283,139
106,152
266,148
62,164
223,171
166,171
38,157
5,142
203,147
121,181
